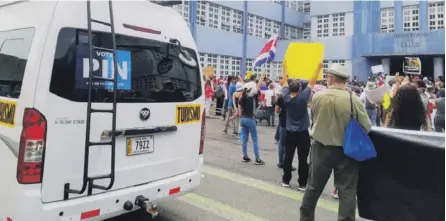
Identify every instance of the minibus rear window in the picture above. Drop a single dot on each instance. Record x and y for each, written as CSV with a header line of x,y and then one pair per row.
x,y
139,77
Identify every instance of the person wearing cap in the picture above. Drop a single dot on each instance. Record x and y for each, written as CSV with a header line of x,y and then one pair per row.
x,y
297,123
248,124
331,114
235,99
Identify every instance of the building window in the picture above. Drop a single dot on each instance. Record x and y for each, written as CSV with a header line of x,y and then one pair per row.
x,y
307,6
436,15
324,68
249,64
213,20
387,20
268,28
411,18
287,30
294,5
338,62
201,13
307,31
183,9
236,21
224,66
202,57
338,23
226,20
276,27
259,27
322,26
251,18
235,68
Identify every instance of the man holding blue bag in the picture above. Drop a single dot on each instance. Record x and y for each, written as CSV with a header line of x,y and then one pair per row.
x,y
339,124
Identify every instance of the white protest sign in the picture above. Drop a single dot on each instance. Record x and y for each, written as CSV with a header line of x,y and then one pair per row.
x,y
377,69
377,94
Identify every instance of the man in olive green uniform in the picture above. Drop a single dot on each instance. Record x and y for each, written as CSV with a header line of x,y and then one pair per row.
x,y
330,115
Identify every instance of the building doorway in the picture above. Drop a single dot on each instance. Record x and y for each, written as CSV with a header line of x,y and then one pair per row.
x,y
427,65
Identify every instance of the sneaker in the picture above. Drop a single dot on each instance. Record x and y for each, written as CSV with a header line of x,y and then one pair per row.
x,y
285,184
225,132
334,194
246,159
302,188
281,167
259,162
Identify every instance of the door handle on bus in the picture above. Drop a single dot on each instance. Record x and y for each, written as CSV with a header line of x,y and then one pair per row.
x,y
139,131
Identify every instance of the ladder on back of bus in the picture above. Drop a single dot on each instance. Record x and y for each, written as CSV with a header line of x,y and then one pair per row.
x,y
88,181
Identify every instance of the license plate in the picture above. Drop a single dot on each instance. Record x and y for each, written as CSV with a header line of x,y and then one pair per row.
x,y
140,145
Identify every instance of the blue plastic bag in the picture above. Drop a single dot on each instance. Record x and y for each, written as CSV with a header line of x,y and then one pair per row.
x,y
357,143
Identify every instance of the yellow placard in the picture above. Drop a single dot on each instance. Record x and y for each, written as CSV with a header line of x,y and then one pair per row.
x,y
188,113
7,113
386,101
208,71
303,59
248,74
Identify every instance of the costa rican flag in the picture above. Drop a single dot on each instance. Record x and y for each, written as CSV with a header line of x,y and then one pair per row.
x,y
381,79
267,53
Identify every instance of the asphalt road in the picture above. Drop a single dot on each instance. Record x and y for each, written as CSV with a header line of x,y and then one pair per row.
x,y
232,190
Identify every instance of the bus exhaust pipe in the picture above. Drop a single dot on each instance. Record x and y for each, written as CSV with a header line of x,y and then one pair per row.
x,y
144,203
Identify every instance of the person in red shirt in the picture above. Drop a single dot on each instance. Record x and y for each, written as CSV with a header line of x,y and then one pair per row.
x,y
208,94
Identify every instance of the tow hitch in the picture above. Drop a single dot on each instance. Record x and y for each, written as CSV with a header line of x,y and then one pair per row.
x,y
145,204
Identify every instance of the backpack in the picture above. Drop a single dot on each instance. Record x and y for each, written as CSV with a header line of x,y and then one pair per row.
x,y
369,105
219,93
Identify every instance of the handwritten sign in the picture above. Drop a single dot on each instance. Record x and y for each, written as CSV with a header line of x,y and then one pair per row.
x,y
208,71
248,74
303,59
377,69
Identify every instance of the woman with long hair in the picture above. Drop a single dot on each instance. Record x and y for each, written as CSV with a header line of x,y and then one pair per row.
x,y
407,110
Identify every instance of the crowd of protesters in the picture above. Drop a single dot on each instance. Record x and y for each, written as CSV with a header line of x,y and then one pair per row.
x,y
313,115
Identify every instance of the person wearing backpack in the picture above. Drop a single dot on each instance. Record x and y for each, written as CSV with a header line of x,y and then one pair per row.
x,y
370,107
219,95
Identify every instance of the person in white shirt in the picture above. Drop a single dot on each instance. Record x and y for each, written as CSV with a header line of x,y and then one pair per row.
x,y
370,106
270,95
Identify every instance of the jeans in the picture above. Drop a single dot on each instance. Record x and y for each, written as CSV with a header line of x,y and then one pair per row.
x,y
225,108
281,144
277,134
207,105
230,119
247,126
439,123
271,115
372,115
323,160
300,140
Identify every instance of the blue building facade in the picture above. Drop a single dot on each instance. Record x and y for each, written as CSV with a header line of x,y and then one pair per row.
x,y
358,34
